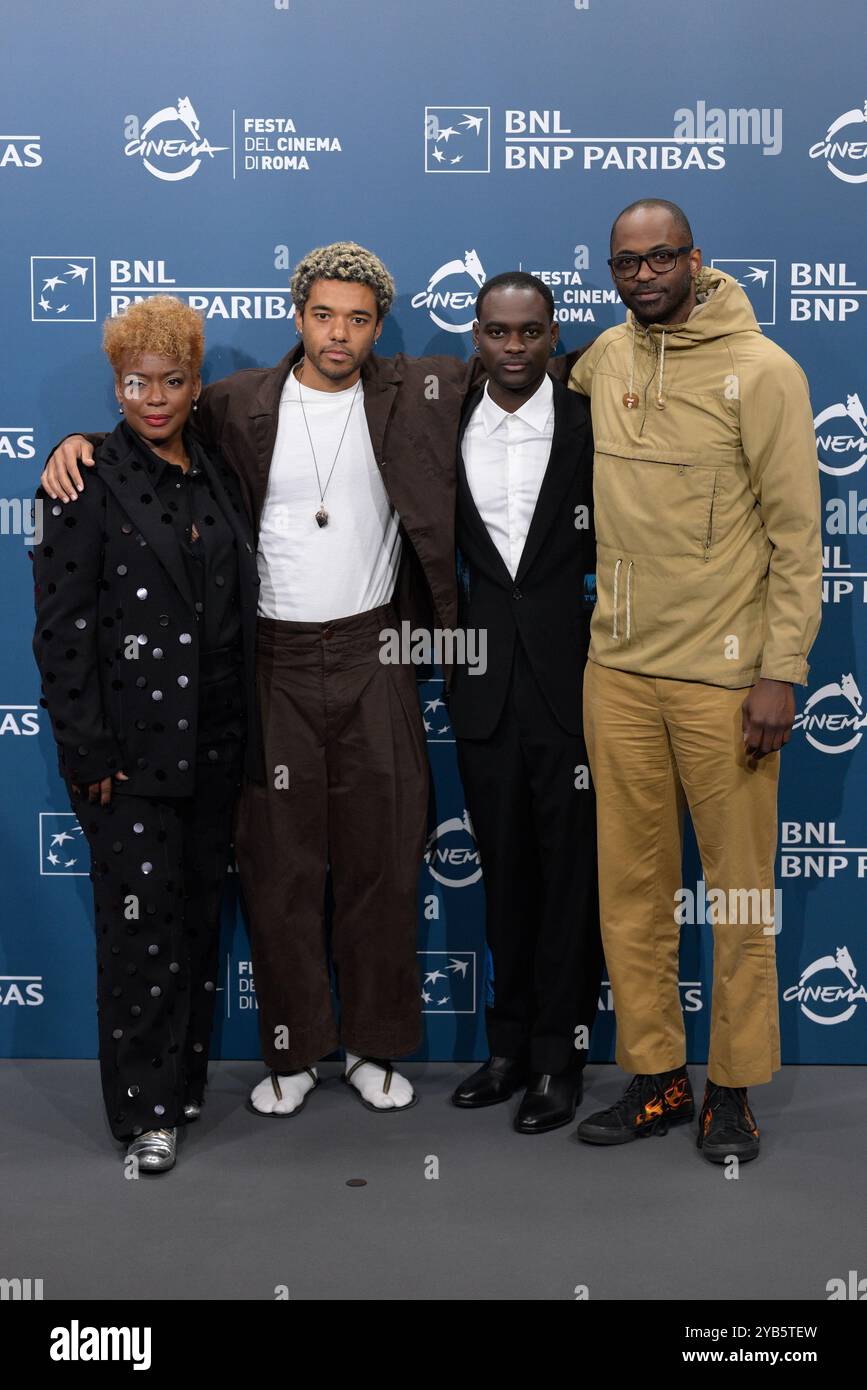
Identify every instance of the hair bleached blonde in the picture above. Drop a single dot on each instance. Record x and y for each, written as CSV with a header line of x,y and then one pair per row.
x,y
343,260
162,325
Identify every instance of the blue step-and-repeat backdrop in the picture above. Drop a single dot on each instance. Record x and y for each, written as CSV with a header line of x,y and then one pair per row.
x,y
202,148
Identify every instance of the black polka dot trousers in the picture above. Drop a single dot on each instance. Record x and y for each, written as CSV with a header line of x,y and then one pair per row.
x,y
158,870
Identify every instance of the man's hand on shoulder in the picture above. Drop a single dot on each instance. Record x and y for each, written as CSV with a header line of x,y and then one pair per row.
x,y
61,477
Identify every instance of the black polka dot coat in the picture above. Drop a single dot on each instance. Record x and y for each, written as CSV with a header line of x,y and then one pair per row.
x,y
116,637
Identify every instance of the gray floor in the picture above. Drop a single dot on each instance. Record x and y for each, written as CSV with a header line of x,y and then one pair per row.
x,y
256,1204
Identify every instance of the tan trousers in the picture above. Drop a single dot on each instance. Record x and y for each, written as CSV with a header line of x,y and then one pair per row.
x,y
656,746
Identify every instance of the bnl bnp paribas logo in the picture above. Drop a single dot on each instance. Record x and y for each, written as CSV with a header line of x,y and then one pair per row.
x,y
700,139
62,289
448,982
20,151
62,847
758,279
457,139
844,146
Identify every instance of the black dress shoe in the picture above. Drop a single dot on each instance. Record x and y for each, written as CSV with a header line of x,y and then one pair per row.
x,y
494,1082
650,1103
549,1101
726,1126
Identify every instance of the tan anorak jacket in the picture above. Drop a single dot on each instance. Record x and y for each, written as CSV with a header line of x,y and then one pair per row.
x,y
707,504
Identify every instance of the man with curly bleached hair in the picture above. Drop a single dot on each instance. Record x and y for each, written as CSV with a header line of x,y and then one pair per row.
x,y
343,260
347,461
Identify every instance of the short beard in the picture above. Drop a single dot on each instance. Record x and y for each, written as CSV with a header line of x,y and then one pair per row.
x,y
685,289
333,372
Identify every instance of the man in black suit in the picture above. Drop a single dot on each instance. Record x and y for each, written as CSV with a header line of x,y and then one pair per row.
x,y
526,558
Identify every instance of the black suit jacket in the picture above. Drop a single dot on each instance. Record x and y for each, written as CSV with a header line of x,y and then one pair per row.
x,y
545,607
108,570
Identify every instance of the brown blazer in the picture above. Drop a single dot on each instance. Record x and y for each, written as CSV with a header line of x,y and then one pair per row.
x,y
413,408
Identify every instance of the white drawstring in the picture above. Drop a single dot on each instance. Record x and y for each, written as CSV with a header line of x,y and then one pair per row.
x,y
614,630
629,601
632,363
661,370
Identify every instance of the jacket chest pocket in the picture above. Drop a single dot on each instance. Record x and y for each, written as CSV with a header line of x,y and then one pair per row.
x,y
644,507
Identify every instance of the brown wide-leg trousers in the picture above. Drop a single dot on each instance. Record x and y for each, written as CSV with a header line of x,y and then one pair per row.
x,y
657,746
346,787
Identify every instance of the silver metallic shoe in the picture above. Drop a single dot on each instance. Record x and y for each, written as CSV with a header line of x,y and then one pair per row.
x,y
192,1111
155,1150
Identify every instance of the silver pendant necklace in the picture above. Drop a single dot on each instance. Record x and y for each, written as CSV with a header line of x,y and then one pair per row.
x,y
321,516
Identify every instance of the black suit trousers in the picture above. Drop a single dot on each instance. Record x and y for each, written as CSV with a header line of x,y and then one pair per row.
x,y
536,833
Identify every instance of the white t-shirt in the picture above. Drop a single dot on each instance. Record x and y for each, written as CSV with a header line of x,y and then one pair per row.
x,y
505,457
310,573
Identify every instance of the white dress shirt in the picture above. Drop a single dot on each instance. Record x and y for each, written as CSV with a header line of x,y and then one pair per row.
x,y
505,456
310,573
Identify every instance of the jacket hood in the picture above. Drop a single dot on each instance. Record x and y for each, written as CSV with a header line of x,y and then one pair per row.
x,y
722,308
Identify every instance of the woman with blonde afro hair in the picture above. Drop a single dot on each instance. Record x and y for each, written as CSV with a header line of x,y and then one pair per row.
x,y
146,611
162,325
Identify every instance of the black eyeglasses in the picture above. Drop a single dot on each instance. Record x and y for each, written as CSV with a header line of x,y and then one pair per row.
x,y
627,265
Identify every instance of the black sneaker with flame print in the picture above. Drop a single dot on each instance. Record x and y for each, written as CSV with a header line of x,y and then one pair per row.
x,y
650,1103
726,1126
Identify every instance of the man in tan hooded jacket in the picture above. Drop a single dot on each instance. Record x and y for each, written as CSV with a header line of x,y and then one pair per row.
x,y
708,600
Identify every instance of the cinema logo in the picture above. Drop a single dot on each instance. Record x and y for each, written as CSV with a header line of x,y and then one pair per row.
x,y
833,720
450,295
820,985
844,147
813,849
169,144
700,138
452,855
20,151
133,281
841,437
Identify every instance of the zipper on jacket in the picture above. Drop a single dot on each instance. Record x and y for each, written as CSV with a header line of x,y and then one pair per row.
x,y
709,535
